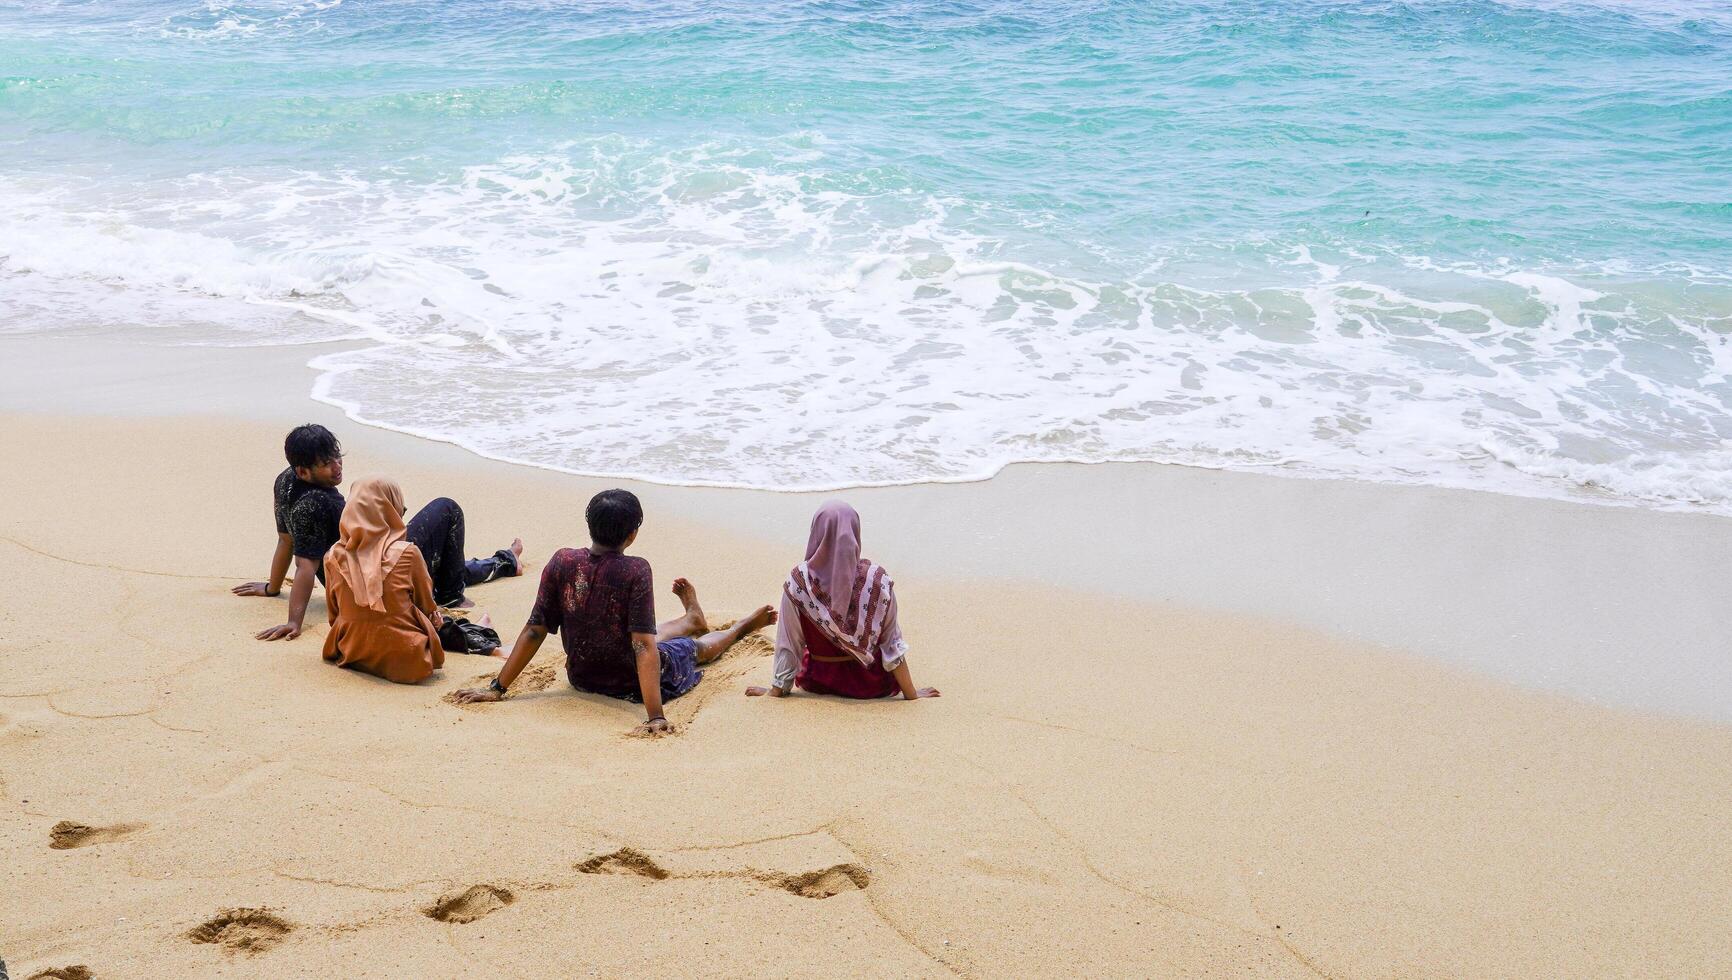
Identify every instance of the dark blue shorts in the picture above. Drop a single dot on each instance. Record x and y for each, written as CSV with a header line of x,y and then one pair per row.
x,y
680,671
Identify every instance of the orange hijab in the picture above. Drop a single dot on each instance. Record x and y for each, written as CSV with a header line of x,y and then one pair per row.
x,y
369,539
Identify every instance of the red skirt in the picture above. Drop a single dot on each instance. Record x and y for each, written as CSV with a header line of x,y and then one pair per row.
x,y
827,669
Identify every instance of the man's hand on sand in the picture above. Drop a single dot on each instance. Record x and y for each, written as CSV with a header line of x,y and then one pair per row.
x,y
655,726
926,692
255,588
477,695
287,631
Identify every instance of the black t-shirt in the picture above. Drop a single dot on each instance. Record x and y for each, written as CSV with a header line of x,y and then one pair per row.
x,y
309,514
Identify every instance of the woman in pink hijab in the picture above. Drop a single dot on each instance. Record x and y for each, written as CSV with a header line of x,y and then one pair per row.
x,y
837,631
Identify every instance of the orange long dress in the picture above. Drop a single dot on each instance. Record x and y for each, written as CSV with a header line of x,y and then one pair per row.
x,y
400,644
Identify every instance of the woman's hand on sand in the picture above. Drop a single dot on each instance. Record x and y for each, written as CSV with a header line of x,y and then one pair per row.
x,y
759,690
255,588
287,631
925,692
477,695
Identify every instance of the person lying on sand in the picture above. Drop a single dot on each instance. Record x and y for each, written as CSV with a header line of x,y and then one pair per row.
x,y
838,632
308,508
379,593
603,601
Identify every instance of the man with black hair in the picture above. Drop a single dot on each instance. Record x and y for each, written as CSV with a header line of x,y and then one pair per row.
x,y
602,601
308,508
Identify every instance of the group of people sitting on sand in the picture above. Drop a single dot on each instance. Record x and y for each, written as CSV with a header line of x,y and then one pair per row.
x,y
388,581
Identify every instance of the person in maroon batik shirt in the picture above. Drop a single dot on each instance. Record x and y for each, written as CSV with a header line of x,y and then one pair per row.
x,y
602,603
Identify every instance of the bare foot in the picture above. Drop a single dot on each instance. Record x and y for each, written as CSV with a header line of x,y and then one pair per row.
x,y
463,603
500,652
765,616
688,595
517,552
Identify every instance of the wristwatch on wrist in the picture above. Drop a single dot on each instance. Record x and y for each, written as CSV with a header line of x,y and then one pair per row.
x,y
497,688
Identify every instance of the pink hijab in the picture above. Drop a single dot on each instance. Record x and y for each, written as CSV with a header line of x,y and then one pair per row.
x,y
849,598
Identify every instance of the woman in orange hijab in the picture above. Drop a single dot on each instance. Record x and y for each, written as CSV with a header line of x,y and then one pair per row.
x,y
383,617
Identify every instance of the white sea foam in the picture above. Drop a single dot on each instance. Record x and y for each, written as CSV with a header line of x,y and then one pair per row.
x,y
221,19
697,317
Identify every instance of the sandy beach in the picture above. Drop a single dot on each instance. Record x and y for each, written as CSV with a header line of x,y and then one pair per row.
x,y
1126,776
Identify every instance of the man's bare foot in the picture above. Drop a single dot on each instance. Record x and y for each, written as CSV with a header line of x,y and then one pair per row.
x,y
486,619
688,595
765,616
517,553
463,603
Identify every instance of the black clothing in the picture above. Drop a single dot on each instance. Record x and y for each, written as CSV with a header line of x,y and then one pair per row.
x,y
309,514
437,529
462,636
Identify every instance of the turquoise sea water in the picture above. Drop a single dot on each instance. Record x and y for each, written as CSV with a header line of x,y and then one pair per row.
x,y
826,244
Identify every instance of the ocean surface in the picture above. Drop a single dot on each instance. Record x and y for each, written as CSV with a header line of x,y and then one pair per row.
x,y
816,245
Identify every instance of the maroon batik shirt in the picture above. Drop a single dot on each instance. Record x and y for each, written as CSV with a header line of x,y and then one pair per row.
x,y
595,602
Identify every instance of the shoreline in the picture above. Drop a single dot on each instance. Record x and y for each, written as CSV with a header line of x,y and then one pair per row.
x,y
1470,578
1491,474
1587,495
1121,777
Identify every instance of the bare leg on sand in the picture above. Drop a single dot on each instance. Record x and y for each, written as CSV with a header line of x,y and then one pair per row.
x,y
714,644
691,622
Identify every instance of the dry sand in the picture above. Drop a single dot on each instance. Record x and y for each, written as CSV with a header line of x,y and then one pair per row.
x,y
1110,786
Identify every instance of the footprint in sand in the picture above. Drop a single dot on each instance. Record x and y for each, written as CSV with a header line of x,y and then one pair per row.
x,y
827,883
821,883
624,861
77,972
534,678
67,834
242,930
469,904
